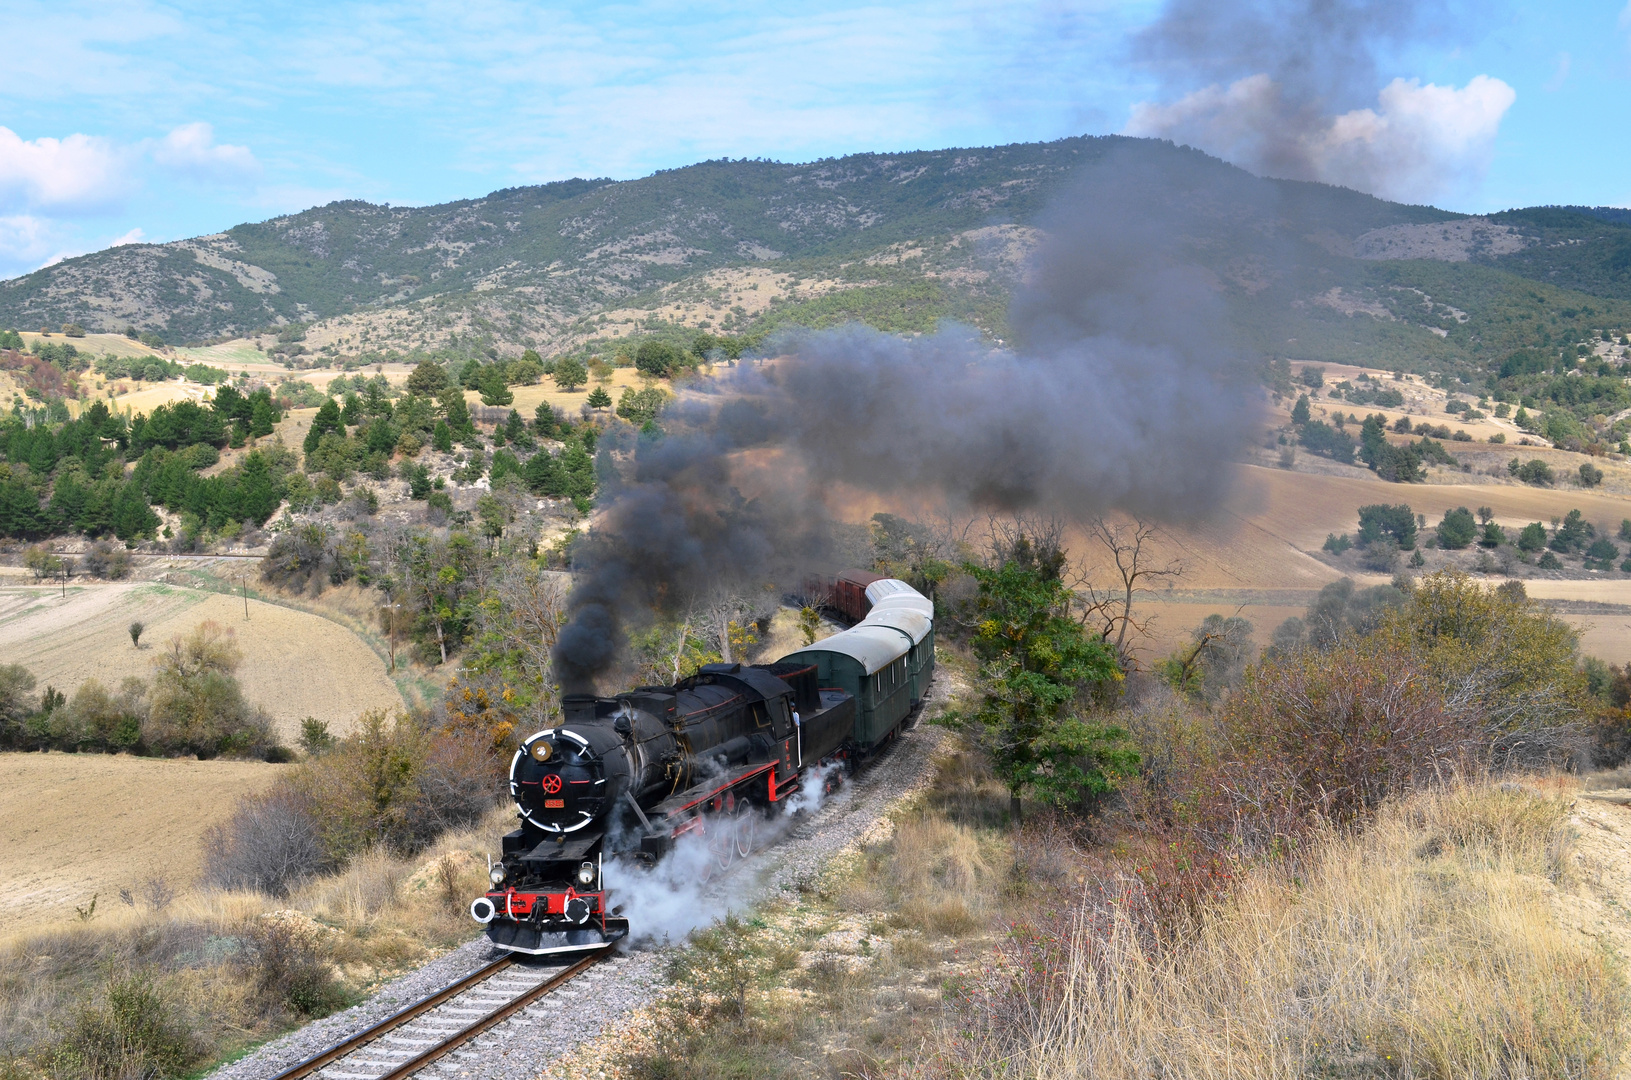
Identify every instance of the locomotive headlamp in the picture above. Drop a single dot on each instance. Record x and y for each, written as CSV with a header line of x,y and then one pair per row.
x,y
542,750
586,874
496,874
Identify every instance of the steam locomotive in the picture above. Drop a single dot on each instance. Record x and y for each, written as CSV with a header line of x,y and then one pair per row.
x,y
628,776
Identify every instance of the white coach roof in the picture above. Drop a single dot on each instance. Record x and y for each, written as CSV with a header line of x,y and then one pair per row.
x,y
900,617
873,647
911,623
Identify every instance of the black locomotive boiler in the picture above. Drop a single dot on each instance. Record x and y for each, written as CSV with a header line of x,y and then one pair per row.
x,y
627,776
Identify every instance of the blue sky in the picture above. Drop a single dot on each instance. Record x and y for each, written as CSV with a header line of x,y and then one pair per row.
x,y
128,120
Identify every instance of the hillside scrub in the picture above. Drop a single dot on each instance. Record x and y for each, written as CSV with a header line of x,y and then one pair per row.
x,y
395,784
1425,946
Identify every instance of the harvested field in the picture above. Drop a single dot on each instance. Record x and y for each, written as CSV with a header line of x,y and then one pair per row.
x,y
1273,518
149,816
295,664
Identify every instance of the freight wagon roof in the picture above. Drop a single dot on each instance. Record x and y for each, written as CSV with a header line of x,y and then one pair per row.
x,y
863,578
873,647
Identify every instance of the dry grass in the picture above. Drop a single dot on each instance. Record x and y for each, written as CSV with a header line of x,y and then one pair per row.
x,y
1428,946
847,981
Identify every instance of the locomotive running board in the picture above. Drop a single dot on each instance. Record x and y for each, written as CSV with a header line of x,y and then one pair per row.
x,y
690,797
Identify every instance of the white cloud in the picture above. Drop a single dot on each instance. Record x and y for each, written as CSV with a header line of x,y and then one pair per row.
x,y
25,240
134,236
80,172
1421,142
192,151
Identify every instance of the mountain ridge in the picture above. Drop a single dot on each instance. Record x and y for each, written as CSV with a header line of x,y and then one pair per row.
x,y
900,241
615,237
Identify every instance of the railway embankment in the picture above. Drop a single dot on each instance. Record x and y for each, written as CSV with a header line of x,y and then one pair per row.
x,y
607,1013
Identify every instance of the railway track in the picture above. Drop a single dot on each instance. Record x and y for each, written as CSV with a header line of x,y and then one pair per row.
x,y
435,1027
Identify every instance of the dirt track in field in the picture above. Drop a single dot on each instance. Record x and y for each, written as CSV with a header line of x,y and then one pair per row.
x,y
294,664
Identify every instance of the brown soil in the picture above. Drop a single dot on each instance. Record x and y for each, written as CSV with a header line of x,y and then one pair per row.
x,y
77,825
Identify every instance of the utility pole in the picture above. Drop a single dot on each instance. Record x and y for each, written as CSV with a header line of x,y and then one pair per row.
x,y
245,580
390,609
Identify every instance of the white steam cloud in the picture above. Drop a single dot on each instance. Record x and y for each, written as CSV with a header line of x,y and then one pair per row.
x,y
1420,142
687,889
1294,89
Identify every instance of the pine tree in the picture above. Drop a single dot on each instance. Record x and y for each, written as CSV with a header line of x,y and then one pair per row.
x,y
262,417
515,427
543,475
351,412
494,390
544,420
599,398
257,496
580,471
1300,414
442,437
456,411
327,419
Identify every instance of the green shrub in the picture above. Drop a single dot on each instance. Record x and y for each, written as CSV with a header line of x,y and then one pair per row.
x,y
1535,471
197,706
288,974
1458,529
135,1033
658,358
1395,523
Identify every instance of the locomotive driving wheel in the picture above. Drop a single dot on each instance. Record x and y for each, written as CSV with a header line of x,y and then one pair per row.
x,y
721,840
745,827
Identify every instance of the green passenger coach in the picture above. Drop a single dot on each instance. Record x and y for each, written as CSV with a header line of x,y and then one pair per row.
x,y
885,661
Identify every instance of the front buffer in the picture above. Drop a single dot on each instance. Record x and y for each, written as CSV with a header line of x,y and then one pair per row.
x,y
546,924
549,899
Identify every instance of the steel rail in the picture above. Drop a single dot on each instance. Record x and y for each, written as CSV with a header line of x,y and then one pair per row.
x,y
494,1018
394,1021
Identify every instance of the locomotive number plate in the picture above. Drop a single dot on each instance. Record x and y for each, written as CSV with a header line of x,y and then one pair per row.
x,y
554,804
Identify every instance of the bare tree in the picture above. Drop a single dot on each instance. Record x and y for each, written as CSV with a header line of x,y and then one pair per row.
x,y
1135,567
725,621
523,619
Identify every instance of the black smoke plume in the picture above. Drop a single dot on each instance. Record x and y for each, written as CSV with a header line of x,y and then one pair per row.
x,y
1120,392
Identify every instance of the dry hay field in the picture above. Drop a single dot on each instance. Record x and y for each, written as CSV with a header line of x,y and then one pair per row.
x,y
78,825
96,344
294,664
1256,551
